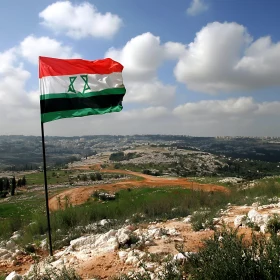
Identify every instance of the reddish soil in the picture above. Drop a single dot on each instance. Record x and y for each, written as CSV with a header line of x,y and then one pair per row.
x,y
22,263
80,195
103,267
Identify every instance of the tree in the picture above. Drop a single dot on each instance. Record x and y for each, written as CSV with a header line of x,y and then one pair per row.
x,y
98,176
13,186
23,181
19,183
1,185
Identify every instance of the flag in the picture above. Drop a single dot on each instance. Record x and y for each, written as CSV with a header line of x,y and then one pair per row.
x,y
72,88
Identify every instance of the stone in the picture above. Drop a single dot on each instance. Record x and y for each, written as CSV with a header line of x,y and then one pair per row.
x,y
10,245
187,219
123,235
3,252
255,217
150,267
238,221
14,276
132,260
122,255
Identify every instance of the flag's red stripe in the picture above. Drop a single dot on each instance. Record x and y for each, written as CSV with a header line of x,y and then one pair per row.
x,y
58,67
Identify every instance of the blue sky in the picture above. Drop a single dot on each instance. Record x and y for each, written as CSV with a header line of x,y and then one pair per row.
x,y
197,67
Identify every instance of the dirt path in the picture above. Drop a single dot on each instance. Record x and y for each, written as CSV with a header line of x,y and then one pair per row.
x,y
80,195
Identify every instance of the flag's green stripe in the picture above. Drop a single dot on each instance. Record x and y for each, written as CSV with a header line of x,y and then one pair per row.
x,y
47,117
107,91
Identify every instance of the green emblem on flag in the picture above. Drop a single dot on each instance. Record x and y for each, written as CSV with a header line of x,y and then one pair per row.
x,y
71,87
85,79
72,80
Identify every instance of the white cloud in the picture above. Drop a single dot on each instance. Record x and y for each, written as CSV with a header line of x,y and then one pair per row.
x,y
197,7
226,110
32,47
240,116
80,20
149,113
18,108
151,93
224,58
174,50
141,57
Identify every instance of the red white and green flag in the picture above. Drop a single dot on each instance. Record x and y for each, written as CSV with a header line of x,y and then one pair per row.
x,y
75,87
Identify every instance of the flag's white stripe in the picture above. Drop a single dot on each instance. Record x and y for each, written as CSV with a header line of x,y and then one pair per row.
x,y
96,82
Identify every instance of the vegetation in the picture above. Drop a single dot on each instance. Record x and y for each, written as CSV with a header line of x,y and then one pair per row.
x,y
226,254
50,273
229,254
120,156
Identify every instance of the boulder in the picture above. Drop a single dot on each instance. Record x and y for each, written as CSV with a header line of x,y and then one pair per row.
x,y
255,217
239,220
10,245
123,236
14,276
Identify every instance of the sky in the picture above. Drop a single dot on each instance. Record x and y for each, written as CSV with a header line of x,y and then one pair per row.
x,y
191,67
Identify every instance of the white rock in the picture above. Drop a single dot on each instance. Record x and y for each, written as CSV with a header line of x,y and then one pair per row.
x,y
15,237
238,221
150,266
255,205
187,219
123,235
44,244
122,255
13,276
255,217
103,222
6,256
132,260
149,243
179,257
3,252
10,245
263,228
172,232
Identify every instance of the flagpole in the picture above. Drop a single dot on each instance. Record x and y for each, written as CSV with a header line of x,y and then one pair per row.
x,y
46,189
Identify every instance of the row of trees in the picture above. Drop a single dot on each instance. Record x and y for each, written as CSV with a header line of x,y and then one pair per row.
x,y
9,185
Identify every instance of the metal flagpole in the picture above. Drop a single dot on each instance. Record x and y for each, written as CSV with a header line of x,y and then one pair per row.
x,y
46,189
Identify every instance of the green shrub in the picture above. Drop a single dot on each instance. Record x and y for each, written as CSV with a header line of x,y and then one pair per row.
x,y
228,256
273,225
51,273
202,220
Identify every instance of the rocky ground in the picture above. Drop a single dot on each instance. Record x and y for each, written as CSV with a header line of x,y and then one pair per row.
x,y
131,247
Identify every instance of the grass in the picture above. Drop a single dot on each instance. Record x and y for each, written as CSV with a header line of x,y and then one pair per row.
x,y
135,204
53,177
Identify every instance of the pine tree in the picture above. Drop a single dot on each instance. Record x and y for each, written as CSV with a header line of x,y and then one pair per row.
x,y
13,186
23,181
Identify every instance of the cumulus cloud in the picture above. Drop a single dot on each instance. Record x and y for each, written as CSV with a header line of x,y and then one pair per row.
x,y
174,50
223,57
17,106
196,7
152,93
224,110
141,57
240,116
80,20
32,47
